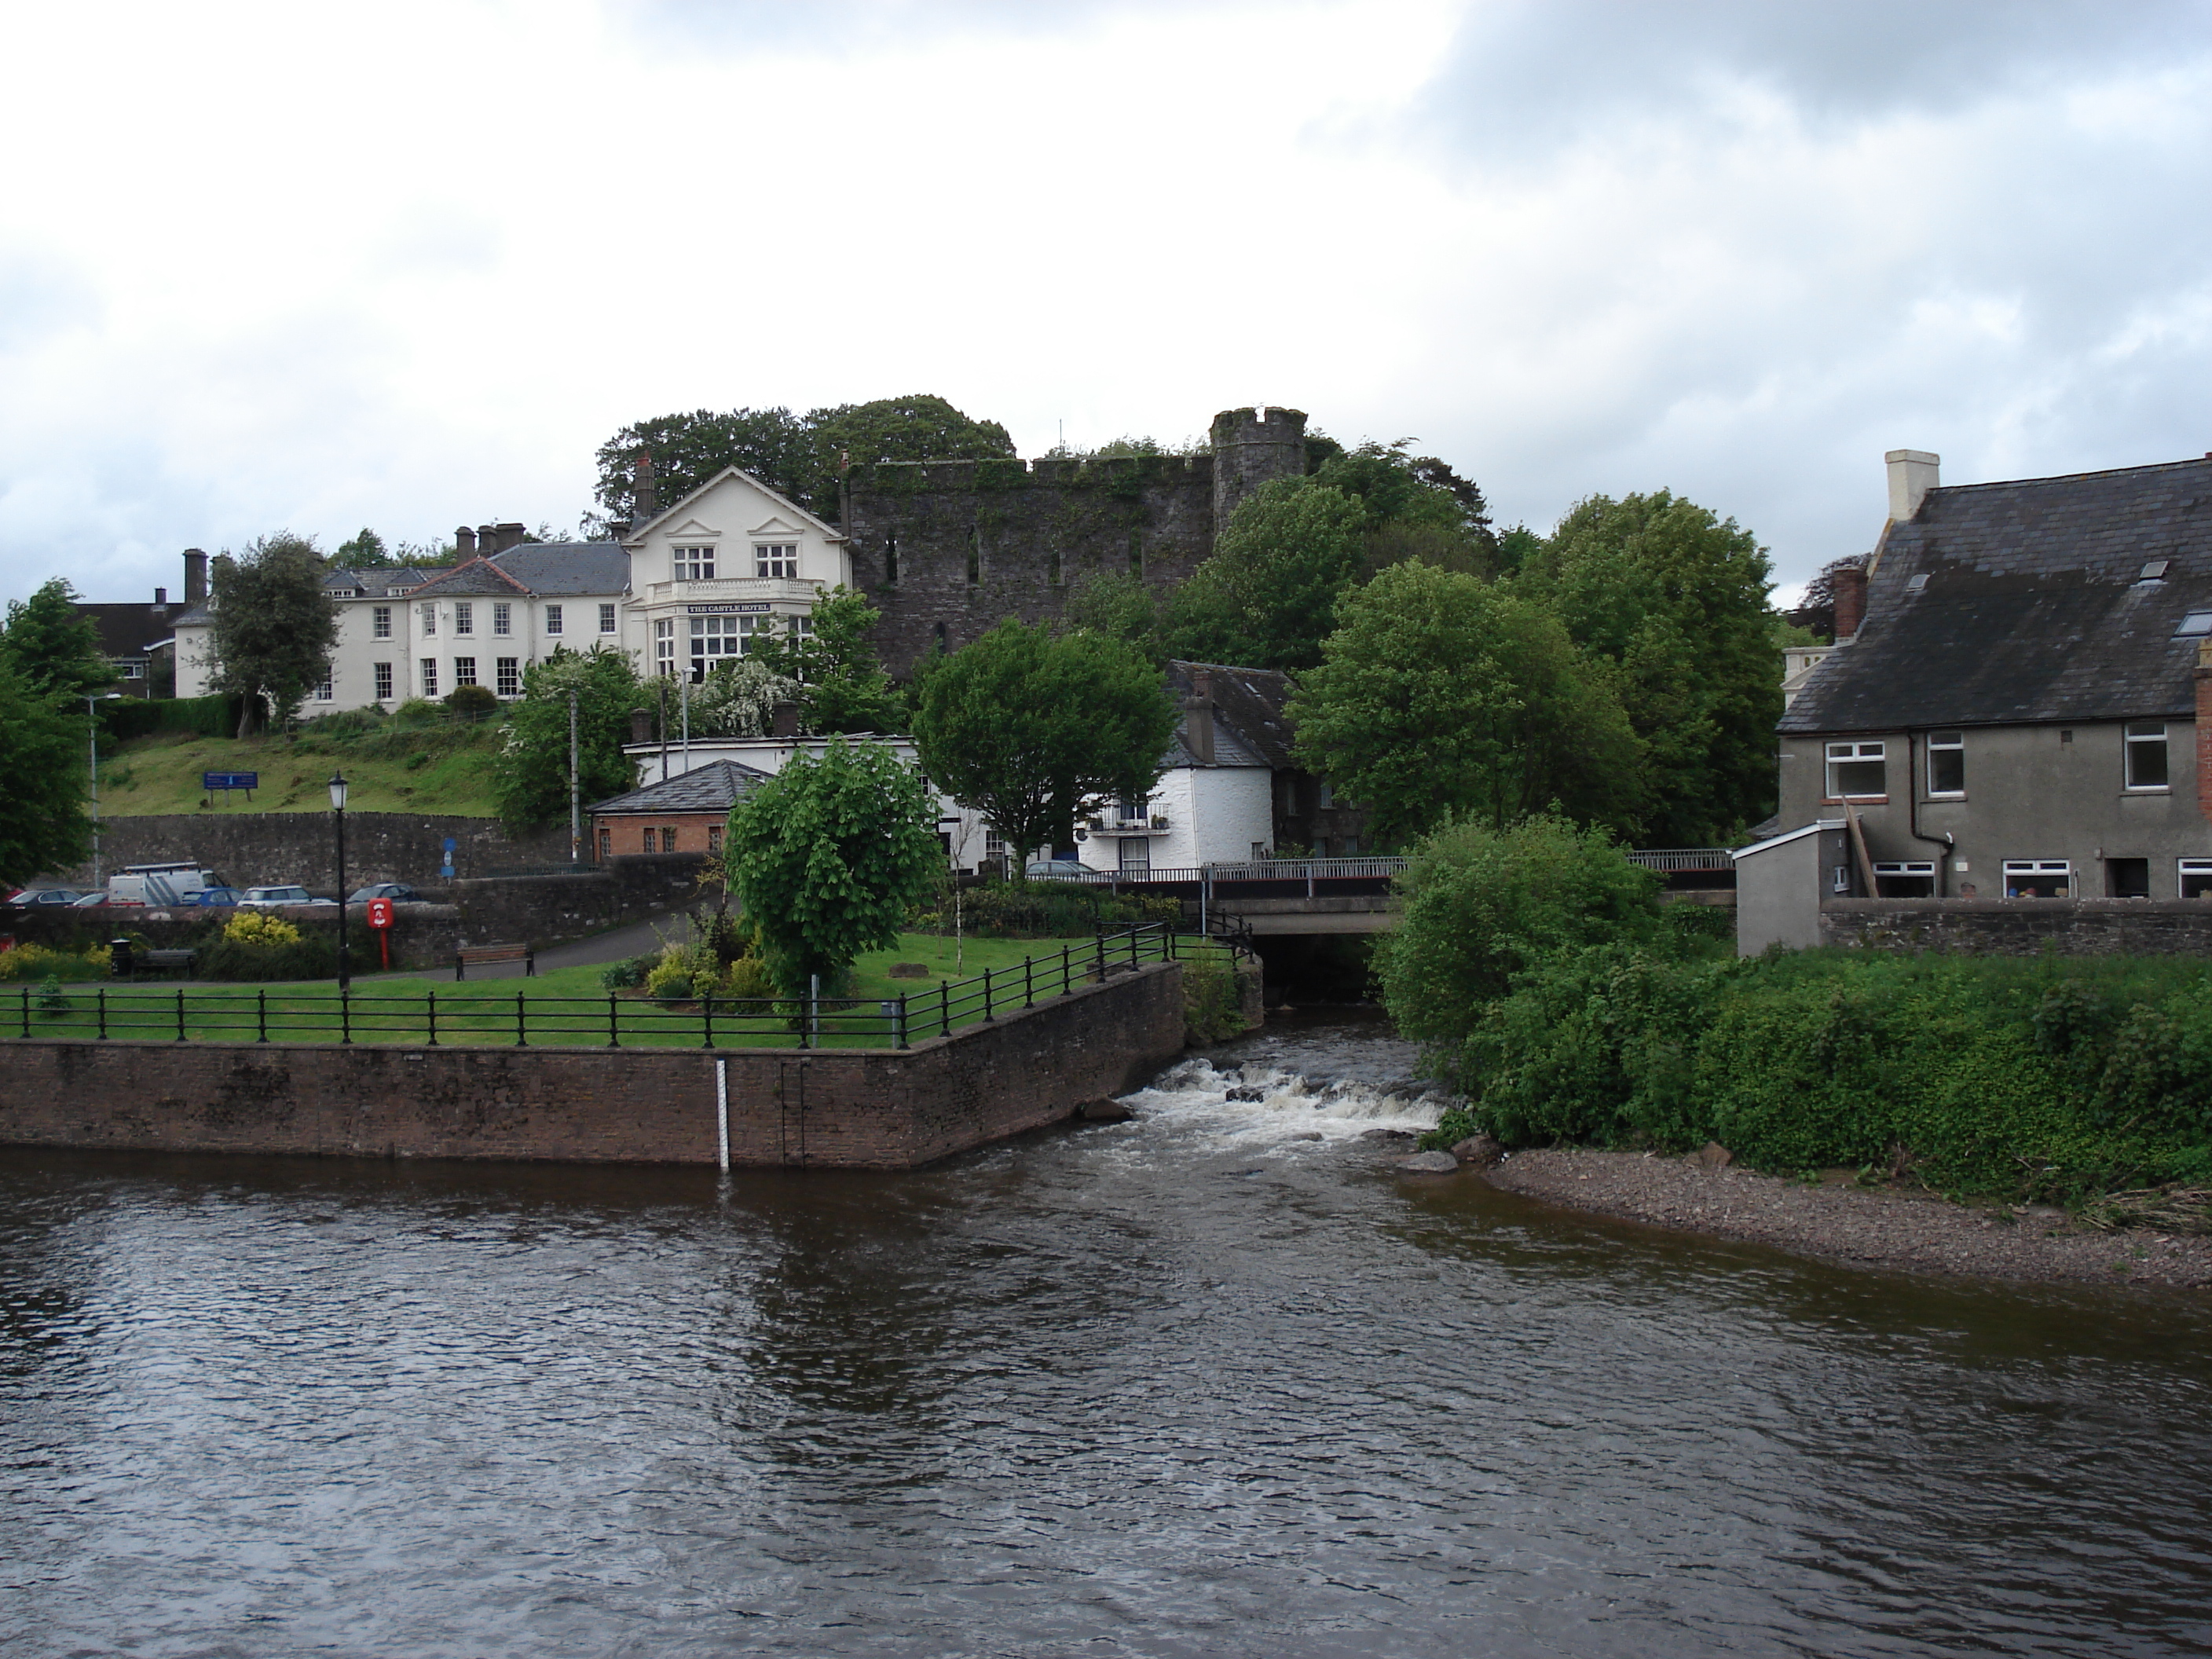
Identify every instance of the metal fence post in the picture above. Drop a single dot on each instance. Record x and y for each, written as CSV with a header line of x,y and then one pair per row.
x,y
180,1014
1029,991
521,1032
345,1013
901,1032
945,1009
1066,971
261,1015
987,996
26,1010
706,1011
433,999
100,998
614,1022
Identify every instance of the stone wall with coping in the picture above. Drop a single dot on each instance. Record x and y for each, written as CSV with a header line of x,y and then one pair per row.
x,y
261,849
2022,928
875,1109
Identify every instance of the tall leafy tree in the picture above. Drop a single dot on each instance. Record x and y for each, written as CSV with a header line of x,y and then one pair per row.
x,y
1269,596
841,683
828,855
54,646
802,456
531,775
1673,598
274,627
363,550
1030,729
43,823
1442,694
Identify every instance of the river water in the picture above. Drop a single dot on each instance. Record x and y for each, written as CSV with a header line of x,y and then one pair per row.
x,y
1214,1382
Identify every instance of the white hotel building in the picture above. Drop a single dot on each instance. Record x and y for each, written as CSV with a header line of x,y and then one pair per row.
x,y
686,588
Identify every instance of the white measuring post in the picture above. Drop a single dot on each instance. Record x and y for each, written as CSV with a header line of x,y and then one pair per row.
x,y
722,1114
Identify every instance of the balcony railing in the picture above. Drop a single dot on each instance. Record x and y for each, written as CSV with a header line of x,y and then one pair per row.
x,y
722,589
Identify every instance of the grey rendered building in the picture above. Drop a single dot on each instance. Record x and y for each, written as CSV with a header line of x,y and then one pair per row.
x,y
2016,712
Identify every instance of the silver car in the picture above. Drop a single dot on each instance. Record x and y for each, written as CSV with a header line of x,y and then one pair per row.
x,y
272,898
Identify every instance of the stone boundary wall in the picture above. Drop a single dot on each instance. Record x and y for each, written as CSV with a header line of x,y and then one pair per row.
x,y
874,1108
2022,928
262,849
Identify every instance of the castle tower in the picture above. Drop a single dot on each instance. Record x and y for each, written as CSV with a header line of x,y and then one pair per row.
x,y
1251,448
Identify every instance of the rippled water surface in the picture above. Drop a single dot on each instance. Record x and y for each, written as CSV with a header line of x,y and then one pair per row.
x,y
1215,1382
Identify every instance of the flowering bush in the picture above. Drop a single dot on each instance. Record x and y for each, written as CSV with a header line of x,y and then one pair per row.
x,y
260,927
37,961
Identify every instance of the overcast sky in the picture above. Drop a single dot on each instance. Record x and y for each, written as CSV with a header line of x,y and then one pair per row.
x,y
406,266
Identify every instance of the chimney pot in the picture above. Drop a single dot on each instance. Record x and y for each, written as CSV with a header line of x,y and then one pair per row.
x,y
1912,474
505,535
1850,600
195,576
160,595
646,501
1198,717
640,725
783,722
464,542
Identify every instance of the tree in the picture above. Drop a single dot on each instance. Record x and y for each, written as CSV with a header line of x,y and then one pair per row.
x,y
1816,611
54,646
1481,905
43,823
1031,730
531,775
1675,599
1119,605
274,627
1269,596
840,684
738,698
364,551
827,856
802,457
1442,694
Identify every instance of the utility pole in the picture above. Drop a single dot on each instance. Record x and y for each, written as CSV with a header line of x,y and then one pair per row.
x,y
92,729
576,804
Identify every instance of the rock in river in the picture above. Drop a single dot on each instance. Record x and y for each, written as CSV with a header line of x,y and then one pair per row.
x,y
1104,1111
1481,1151
1429,1164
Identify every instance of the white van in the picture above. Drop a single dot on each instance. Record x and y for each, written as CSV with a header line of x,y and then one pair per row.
x,y
159,883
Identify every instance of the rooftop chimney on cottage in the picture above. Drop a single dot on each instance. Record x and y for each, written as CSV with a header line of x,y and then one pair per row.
x,y
464,542
783,720
1850,586
646,500
640,725
498,537
195,576
1198,717
1912,474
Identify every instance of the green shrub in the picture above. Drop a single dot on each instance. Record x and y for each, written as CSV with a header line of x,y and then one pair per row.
x,y
26,962
628,974
472,702
312,955
1213,1010
1045,910
670,980
1457,1124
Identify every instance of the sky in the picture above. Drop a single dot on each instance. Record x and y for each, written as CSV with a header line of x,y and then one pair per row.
x,y
407,265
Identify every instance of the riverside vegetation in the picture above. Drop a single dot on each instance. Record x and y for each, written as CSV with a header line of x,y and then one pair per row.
x,y
1549,984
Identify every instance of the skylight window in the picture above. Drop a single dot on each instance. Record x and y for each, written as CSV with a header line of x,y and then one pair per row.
x,y
2196,623
2155,570
1916,583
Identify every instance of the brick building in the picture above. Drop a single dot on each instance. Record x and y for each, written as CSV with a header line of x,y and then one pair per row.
x,y
683,814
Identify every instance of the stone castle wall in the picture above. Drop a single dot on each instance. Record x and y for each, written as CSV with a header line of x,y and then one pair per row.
x,y
2022,928
946,548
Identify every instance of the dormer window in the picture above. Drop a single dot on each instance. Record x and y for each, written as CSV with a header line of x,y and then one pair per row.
x,y
777,559
695,564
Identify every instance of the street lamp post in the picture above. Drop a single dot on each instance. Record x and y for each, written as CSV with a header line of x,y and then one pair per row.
x,y
338,810
92,738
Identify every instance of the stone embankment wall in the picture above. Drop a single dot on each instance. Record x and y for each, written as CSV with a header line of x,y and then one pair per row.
x,y
258,850
876,1108
2022,928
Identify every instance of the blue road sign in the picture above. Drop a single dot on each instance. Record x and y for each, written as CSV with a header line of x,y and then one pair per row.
x,y
447,868
212,781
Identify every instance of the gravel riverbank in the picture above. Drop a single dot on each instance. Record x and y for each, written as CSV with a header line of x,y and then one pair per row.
x,y
1863,1226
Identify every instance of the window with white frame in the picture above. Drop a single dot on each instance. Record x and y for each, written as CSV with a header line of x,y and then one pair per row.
x,y
994,844
552,618
508,683
606,619
663,646
384,681
325,692
1910,878
1947,763
716,639
503,617
465,616
429,619
2037,877
2146,747
429,676
465,671
2196,878
1858,771
1137,853
380,621
776,559
802,628
695,564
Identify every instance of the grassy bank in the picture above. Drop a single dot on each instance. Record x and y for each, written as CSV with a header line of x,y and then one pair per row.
x,y
2052,1079
433,769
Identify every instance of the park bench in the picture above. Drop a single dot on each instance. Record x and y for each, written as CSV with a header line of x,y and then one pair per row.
x,y
479,954
181,961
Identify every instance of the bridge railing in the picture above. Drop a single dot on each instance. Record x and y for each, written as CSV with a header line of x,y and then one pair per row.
x,y
1668,859
1298,870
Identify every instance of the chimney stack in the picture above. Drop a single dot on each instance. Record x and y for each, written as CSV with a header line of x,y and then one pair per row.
x,y
640,725
783,722
161,597
1912,474
1198,717
464,542
498,537
646,501
196,590
1850,600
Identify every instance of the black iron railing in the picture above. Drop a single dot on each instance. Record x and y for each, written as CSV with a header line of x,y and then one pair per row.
x,y
522,1019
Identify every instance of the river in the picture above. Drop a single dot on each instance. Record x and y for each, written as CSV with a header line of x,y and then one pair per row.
x,y
1212,1382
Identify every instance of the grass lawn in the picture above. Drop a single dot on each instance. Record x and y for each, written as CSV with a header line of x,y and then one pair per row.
x,y
566,1007
440,769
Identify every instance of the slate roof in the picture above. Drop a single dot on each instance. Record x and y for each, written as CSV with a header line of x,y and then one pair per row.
x,y
129,630
714,788
1249,727
546,570
381,581
2035,607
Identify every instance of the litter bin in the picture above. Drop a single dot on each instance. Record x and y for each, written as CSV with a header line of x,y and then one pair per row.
x,y
119,963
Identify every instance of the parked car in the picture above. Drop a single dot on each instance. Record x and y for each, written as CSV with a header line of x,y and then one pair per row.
x,y
1057,870
97,896
219,895
47,896
159,883
272,898
398,891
